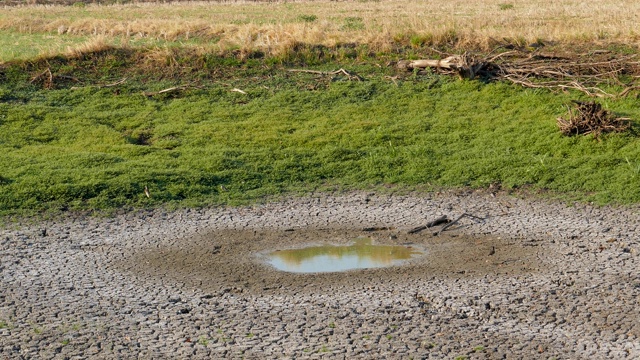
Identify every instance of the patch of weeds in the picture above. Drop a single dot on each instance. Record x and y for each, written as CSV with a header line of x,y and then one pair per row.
x,y
65,342
389,337
307,18
418,41
366,337
353,23
4,324
428,344
332,325
324,349
202,340
635,169
505,6
249,335
478,348
461,357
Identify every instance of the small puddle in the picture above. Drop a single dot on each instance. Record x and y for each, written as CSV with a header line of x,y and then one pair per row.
x,y
332,258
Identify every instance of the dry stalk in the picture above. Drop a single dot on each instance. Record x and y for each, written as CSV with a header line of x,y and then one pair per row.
x,y
350,75
172,89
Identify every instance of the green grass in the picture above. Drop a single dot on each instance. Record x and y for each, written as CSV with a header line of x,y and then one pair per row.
x,y
97,148
21,46
28,46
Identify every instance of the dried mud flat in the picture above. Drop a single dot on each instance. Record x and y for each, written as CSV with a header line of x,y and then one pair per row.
x,y
537,279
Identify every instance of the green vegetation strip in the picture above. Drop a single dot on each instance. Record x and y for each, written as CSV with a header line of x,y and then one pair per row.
x,y
97,148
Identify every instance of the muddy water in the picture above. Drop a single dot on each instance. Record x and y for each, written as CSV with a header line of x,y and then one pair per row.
x,y
361,254
234,260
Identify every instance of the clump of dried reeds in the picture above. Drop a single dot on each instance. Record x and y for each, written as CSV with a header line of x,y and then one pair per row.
x,y
591,118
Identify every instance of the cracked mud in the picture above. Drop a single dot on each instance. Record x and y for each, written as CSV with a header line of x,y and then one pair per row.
x,y
536,279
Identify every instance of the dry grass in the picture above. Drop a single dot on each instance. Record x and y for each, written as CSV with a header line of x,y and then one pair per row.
x,y
273,27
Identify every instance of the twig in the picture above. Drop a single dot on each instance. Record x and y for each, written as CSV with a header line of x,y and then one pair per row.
x,y
626,91
171,89
121,81
392,78
238,91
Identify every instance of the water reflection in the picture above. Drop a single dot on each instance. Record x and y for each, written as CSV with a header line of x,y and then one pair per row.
x,y
362,254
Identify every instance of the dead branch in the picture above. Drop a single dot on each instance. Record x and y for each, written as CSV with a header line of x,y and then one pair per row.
x,y
465,65
536,70
458,219
441,220
350,75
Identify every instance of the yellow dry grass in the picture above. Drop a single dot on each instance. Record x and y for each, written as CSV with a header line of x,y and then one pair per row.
x,y
275,26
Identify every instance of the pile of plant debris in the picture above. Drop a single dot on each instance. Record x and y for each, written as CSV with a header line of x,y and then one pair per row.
x,y
583,72
590,118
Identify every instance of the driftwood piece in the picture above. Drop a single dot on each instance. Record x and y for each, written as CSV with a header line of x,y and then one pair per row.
x,y
456,220
441,220
466,66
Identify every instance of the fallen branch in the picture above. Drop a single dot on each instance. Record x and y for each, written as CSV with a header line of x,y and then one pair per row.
x,y
535,70
458,219
441,220
465,65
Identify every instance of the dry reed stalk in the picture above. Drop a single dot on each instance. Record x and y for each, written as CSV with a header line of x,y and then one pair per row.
x,y
93,45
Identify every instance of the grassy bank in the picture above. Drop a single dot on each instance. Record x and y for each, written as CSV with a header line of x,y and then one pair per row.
x,y
84,143
194,101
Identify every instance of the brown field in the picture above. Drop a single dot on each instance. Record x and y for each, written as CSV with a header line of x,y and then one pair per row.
x,y
275,26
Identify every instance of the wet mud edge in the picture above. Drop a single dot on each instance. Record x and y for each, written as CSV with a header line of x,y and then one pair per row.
x,y
232,260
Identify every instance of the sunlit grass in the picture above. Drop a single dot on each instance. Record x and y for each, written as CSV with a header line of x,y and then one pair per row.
x,y
96,148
